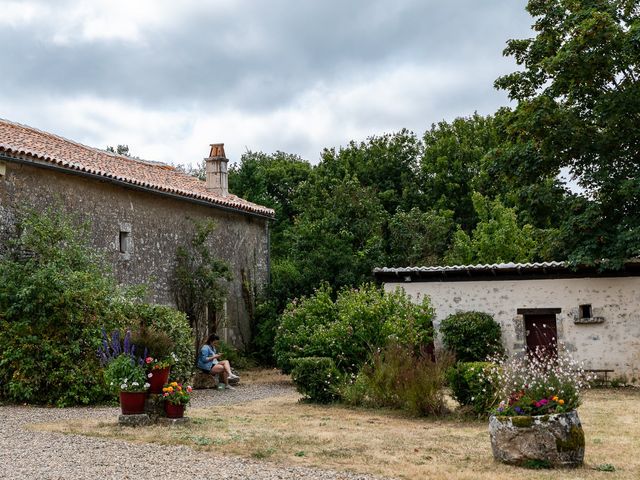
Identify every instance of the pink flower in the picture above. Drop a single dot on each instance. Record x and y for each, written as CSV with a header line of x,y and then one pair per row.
x,y
149,375
148,360
189,389
165,394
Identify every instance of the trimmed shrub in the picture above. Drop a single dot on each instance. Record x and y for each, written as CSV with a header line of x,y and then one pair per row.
x,y
471,385
397,377
352,328
302,328
317,378
471,336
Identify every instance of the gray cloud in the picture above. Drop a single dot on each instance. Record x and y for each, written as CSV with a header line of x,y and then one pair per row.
x,y
258,58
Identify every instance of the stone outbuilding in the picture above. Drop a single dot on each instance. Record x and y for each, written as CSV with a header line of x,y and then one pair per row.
x,y
594,314
140,212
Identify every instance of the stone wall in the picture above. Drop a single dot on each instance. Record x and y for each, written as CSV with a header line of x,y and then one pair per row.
x,y
612,343
155,226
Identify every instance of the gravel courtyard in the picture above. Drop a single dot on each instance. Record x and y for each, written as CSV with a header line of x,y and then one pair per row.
x,y
25,453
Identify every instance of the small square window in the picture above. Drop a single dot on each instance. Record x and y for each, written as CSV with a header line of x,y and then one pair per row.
x,y
585,311
125,242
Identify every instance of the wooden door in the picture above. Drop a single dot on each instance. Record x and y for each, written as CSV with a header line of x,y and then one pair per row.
x,y
542,334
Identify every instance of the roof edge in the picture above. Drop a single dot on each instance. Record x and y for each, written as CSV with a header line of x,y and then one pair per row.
x,y
53,164
503,271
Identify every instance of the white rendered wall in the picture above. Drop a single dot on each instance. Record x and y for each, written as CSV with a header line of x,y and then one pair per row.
x,y
613,344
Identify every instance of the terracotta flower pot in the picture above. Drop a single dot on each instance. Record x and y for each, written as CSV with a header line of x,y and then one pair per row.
x,y
555,440
173,411
159,377
132,403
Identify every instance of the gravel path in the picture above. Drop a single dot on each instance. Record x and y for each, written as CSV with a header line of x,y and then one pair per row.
x,y
49,456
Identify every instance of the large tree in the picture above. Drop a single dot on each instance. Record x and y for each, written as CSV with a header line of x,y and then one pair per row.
x,y
387,164
452,164
273,181
579,109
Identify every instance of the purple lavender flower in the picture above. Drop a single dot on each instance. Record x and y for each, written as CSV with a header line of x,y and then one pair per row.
x,y
518,410
127,343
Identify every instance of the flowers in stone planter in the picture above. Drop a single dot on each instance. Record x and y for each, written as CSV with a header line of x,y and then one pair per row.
x,y
177,394
124,374
538,383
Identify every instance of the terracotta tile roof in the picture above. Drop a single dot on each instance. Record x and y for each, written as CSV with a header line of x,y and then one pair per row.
x,y
19,139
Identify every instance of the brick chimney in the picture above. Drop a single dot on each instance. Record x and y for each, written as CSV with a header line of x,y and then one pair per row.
x,y
216,169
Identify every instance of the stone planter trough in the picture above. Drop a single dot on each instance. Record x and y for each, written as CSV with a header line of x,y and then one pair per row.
x,y
555,440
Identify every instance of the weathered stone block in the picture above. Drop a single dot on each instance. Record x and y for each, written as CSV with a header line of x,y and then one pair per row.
x,y
552,440
139,420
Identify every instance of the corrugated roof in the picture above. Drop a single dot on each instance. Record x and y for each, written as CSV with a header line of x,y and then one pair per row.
x,y
475,268
20,139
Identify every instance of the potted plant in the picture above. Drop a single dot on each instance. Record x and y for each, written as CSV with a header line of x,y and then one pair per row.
x,y
159,355
536,424
158,371
126,376
176,398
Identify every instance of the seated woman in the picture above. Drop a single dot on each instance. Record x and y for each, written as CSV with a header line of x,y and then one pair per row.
x,y
208,361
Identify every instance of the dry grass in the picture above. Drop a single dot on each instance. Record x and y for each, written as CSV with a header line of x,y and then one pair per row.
x,y
286,431
265,376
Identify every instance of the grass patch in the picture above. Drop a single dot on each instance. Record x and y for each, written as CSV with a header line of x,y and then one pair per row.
x,y
383,442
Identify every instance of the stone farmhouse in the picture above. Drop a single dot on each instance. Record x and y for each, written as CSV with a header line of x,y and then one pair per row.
x,y
593,314
140,212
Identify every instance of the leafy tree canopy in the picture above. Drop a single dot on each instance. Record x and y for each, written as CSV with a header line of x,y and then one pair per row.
x,y
496,239
579,107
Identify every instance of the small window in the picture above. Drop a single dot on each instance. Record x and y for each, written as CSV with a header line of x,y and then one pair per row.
x,y
585,311
125,242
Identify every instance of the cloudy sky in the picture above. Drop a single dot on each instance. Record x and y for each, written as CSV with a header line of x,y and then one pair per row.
x,y
169,77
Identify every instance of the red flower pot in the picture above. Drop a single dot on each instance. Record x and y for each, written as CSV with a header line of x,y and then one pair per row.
x,y
132,403
173,411
158,378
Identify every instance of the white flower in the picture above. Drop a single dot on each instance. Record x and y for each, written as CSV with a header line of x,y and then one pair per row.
x,y
126,380
147,385
174,356
135,384
150,375
123,386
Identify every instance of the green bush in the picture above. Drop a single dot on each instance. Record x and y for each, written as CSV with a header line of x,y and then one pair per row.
x,y
399,378
262,341
470,385
172,322
56,297
352,328
471,336
317,378
235,357
54,301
